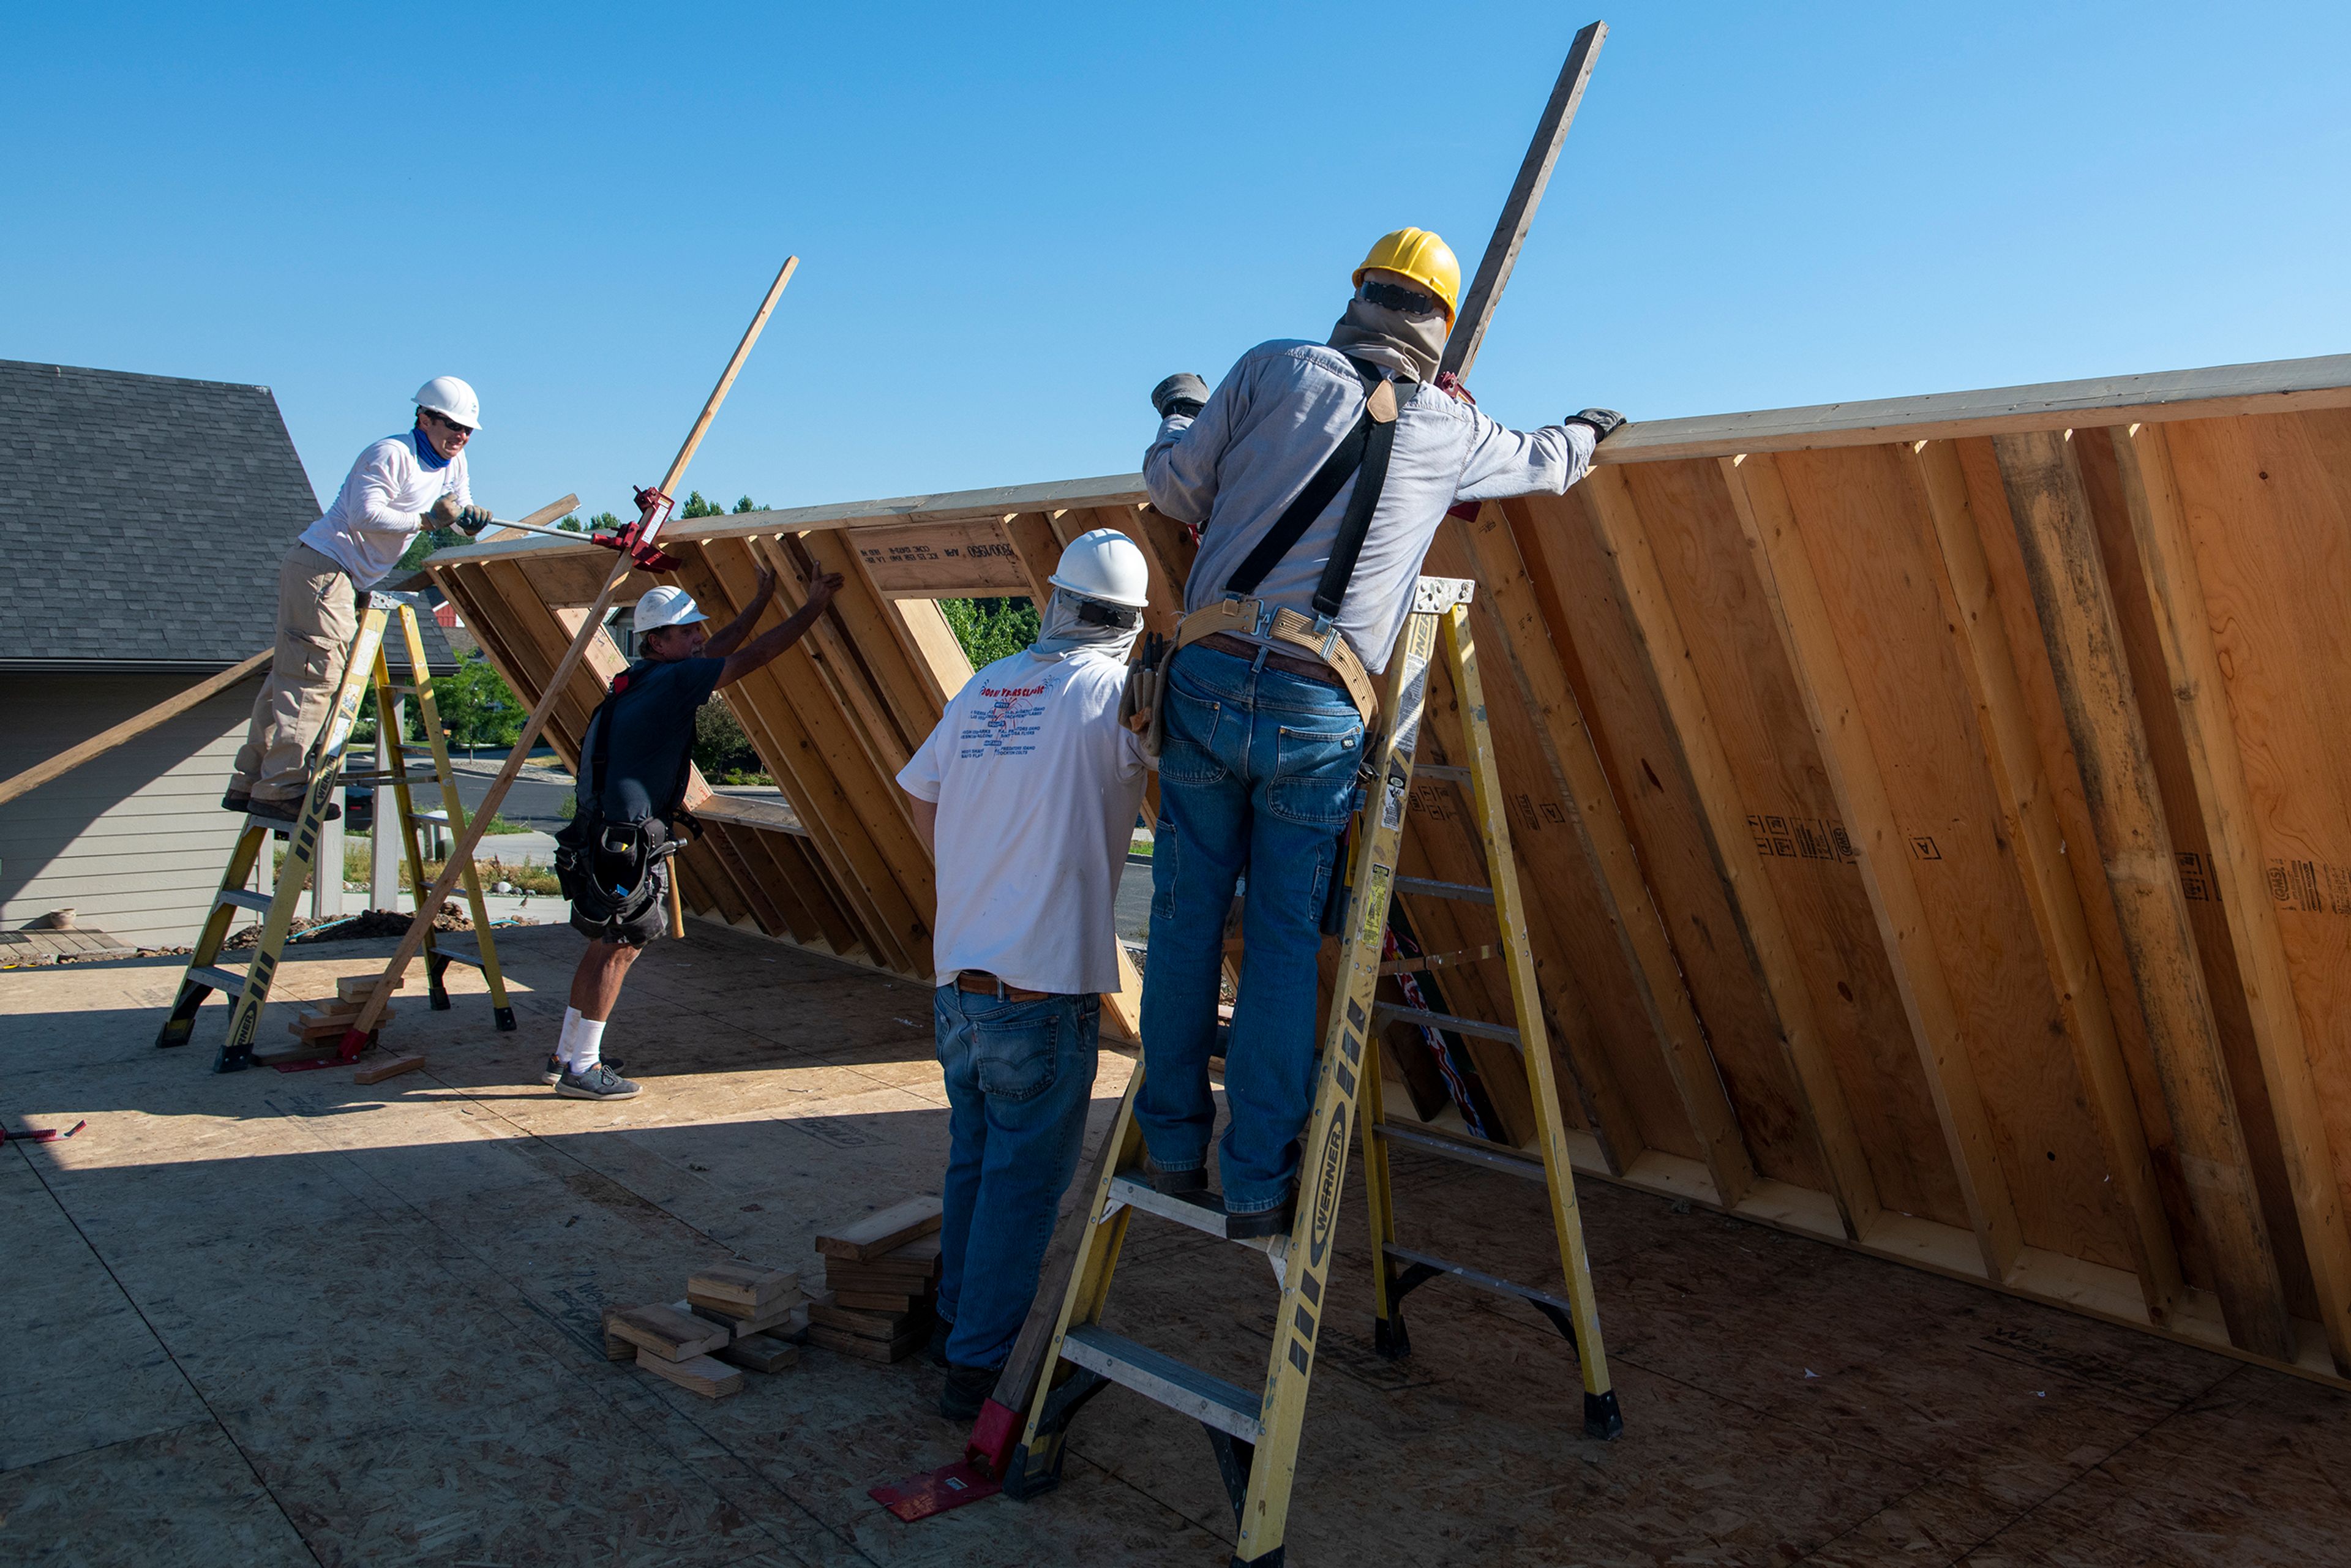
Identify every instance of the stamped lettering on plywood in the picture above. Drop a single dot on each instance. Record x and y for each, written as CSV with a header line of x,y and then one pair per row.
x,y
2310,888
1800,838
942,562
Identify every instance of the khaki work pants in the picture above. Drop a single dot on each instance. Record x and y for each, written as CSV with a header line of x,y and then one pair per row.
x,y
318,615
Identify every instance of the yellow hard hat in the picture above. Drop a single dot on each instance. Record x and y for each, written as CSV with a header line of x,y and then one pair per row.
x,y
1422,257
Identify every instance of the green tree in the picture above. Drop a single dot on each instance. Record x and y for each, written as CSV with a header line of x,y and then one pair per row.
x,y
424,544
748,505
991,629
721,750
478,707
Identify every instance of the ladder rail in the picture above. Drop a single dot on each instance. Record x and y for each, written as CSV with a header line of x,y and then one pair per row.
x,y
1323,1166
1534,1045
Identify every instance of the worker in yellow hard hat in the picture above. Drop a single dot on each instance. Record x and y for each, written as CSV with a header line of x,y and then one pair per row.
x,y
1317,475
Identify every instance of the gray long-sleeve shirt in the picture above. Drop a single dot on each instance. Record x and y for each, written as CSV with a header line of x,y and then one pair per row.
x,y
1270,426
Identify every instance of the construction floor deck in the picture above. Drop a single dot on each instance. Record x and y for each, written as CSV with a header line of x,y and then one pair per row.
x,y
281,1318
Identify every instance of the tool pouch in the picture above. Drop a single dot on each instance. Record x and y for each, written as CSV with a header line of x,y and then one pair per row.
x,y
1146,680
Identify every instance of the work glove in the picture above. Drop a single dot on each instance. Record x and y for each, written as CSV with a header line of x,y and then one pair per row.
x,y
1599,421
1183,393
473,519
443,513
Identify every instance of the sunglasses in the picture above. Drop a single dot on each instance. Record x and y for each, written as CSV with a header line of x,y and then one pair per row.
x,y
1411,301
445,422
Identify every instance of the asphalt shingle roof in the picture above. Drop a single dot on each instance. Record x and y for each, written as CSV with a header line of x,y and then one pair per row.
x,y
144,517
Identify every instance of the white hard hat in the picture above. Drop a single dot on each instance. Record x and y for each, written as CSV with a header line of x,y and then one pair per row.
x,y
666,606
448,395
1104,564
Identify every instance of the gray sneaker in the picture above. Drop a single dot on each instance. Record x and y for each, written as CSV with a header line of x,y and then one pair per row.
x,y
598,1082
552,1073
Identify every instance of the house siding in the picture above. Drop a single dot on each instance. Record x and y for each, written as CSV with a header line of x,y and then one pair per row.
x,y
134,840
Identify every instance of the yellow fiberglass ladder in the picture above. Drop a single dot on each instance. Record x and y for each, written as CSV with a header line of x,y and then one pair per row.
x,y
1255,1432
248,988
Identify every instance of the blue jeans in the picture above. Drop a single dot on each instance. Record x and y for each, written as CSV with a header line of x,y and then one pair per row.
x,y
1019,1077
1257,775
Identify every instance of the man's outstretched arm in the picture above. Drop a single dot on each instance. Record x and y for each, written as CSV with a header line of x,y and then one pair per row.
x,y
769,644
729,637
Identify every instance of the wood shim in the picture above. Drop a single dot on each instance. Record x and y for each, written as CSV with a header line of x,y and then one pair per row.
x,y
760,1352
1834,805
876,1234
742,1285
700,1374
386,1067
666,1332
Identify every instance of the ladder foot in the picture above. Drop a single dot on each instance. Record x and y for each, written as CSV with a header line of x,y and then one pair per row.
x,y
1270,1559
505,1019
236,1062
1391,1338
1602,1419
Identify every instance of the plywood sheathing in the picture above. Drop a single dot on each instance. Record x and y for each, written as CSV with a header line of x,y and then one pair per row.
x,y
1929,820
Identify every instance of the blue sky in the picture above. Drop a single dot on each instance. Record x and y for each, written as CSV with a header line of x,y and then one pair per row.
x,y
1013,221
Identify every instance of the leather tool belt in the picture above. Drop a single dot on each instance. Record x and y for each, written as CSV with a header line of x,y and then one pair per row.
x,y
1332,657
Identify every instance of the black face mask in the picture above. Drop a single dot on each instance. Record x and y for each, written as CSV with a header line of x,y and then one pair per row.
x,y
1095,613
1412,302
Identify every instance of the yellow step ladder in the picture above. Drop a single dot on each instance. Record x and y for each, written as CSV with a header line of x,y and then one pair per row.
x,y
248,988
1255,1432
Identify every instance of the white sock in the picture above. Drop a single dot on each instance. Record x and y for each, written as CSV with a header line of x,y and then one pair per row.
x,y
570,1031
586,1044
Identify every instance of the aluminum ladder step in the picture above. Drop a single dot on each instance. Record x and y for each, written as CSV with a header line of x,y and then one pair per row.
x,y
1386,1011
1166,1381
244,898
1486,1282
1465,892
1468,1151
1201,1211
229,983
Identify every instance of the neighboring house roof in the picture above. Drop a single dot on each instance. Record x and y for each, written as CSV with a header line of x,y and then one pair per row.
x,y
152,512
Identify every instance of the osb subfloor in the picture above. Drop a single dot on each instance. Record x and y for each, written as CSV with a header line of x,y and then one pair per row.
x,y
268,1318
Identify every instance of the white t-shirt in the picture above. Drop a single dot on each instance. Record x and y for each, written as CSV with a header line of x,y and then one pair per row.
x,y
374,515
1037,784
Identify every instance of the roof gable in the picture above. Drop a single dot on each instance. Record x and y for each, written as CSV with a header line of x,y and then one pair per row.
x,y
144,517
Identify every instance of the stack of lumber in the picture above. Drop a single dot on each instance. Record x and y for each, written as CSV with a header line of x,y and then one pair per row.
x,y
733,1315
320,1029
322,1023
880,1274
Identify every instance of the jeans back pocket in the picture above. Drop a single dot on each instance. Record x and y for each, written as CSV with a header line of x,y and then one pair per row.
x,y
1015,1050
1314,773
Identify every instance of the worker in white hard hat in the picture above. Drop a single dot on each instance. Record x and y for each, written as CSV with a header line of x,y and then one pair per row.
x,y
399,485
1026,793
613,856
1316,474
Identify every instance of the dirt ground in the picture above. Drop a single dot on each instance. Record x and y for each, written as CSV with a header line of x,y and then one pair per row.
x,y
276,1318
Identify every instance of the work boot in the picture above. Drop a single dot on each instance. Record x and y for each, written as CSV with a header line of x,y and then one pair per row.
x,y
553,1073
237,800
1175,1184
287,811
597,1082
968,1388
1265,1222
937,1350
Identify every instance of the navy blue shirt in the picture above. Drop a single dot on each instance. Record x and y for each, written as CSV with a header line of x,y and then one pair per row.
x,y
653,738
